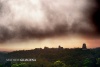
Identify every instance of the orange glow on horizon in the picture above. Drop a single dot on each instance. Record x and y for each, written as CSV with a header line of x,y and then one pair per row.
x,y
64,41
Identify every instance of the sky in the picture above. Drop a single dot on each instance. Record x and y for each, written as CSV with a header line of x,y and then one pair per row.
x,y
29,24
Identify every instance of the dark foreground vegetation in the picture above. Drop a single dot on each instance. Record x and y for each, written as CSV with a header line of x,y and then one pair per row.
x,y
53,57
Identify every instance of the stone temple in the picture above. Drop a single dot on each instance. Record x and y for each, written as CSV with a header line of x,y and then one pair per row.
x,y
84,46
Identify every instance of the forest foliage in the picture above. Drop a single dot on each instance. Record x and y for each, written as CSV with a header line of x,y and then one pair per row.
x,y
75,57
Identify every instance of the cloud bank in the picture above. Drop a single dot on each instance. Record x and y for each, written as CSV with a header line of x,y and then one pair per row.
x,y
42,18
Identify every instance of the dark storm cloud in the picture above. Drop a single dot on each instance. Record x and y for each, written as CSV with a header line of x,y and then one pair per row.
x,y
43,18
96,16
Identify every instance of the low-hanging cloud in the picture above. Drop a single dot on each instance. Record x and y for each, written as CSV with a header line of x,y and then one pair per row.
x,y
40,18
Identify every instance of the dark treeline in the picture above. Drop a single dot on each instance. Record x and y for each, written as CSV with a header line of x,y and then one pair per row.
x,y
55,57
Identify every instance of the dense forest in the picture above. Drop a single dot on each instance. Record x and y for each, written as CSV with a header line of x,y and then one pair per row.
x,y
54,57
